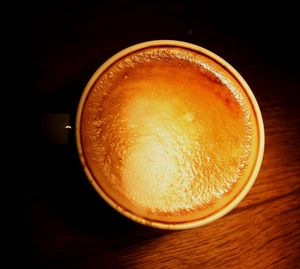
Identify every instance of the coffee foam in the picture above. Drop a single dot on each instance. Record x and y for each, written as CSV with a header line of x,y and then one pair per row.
x,y
168,132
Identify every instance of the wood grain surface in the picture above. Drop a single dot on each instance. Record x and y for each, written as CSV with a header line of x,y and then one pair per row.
x,y
65,224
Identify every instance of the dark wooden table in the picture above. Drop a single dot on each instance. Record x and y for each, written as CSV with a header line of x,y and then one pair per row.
x,y
65,224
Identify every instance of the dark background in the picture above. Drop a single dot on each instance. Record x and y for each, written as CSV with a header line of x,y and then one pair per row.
x,y
63,223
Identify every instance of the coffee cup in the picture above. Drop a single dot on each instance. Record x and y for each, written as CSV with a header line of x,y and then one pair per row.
x,y
169,134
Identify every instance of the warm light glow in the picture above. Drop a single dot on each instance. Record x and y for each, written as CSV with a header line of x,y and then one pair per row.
x,y
154,163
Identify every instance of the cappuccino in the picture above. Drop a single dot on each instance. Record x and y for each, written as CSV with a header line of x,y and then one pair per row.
x,y
169,134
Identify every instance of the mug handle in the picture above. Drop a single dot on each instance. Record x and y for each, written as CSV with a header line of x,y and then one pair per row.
x,y
55,128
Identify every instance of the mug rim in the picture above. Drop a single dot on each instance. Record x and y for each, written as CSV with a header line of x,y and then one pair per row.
x,y
260,126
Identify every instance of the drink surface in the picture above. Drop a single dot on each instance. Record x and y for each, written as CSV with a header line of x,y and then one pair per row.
x,y
169,134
